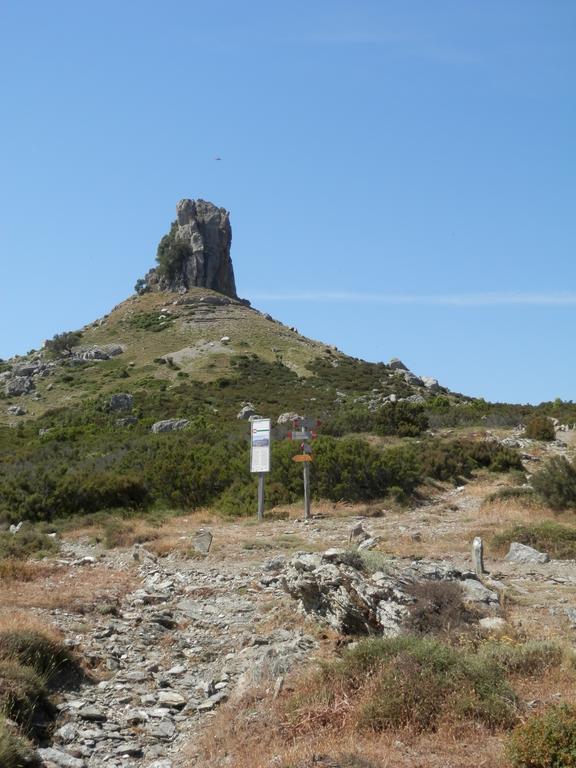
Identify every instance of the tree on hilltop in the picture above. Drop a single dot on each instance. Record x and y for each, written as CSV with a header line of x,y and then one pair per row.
x,y
63,343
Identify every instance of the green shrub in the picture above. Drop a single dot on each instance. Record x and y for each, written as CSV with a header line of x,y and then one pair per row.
x,y
407,681
526,659
15,752
402,418
172,254
545,741
559,541
38,495
63,343
555,483
150,321
457,459
28,542
522,494
540,428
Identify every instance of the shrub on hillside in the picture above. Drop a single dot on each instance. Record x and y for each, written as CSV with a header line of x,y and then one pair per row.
x,y
28,542
559,541
545,741
403,419
172,253
555,483
457,459
63,343
526,659
405,681
540,428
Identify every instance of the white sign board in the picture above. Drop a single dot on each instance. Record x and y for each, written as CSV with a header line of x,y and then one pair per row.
x,y
260,437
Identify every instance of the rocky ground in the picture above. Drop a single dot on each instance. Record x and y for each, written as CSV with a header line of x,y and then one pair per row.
x,y
190,632
166,657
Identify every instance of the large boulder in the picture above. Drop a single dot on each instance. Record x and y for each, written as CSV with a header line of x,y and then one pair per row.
x,y
521,553
18,385
16,410
203,235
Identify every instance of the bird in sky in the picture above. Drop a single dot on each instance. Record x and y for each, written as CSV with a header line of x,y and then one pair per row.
x,y
217,158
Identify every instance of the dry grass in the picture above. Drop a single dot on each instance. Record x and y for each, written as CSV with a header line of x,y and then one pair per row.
x,y
25,570
245,731
256,725
76,589
21,621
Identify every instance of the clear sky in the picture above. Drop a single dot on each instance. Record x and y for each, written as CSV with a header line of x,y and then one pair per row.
x,y
401,174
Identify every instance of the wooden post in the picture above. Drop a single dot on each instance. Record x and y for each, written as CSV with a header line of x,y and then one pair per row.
x,y
261,476
306,490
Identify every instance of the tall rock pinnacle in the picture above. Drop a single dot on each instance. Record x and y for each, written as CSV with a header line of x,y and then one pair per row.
x,y
195,253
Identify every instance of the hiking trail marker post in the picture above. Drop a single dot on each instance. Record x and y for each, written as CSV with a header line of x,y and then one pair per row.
x,y
260,439
303,431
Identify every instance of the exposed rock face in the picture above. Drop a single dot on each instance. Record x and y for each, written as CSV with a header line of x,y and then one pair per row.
x,y
205,231
329,586
169,425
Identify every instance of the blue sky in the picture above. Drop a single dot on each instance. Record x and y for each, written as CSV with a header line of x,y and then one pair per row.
x,y
400,174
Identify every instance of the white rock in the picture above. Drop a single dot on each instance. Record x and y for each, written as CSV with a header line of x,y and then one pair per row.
x,y
520,553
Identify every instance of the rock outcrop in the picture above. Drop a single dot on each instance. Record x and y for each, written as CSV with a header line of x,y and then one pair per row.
x,y
332,587
198,248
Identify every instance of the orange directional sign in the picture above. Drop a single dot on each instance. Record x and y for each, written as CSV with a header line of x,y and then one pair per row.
x,y
302,457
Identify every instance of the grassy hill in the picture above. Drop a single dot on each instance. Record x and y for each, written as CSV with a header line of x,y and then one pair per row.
x,y
199,356
166,342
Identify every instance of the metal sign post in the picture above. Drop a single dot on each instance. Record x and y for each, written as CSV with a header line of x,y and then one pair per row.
x,y
303,431
260,438
261,477
306,490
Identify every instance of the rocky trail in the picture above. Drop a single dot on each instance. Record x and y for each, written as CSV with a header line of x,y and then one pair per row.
x,y
168,656
192,632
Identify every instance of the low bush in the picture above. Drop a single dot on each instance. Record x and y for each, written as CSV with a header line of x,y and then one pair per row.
x,y
540,428
555,483
545,741
457,459
15,752
522,494
559,541
438,608
523,659
123,533
405,681
28,542
403,419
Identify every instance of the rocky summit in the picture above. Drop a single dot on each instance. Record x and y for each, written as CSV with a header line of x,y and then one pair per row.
x,y
197,250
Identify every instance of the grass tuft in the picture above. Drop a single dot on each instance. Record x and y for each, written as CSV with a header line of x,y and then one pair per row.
x,y
15,752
